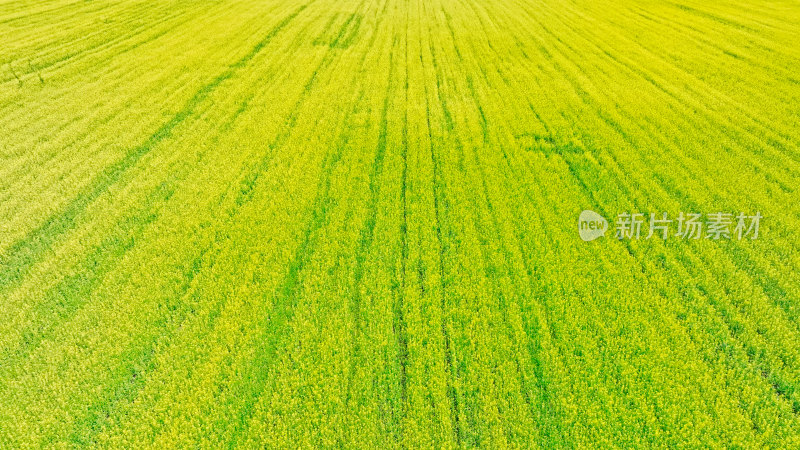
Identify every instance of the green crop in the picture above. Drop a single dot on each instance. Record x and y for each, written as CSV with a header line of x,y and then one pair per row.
x,y
353,223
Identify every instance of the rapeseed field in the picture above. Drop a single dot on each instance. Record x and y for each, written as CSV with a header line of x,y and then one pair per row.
x,y
399,224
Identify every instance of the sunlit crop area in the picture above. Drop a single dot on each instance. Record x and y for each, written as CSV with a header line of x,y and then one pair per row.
x,y
354,223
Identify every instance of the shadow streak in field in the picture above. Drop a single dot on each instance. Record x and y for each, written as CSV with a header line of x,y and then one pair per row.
x,y
21,256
